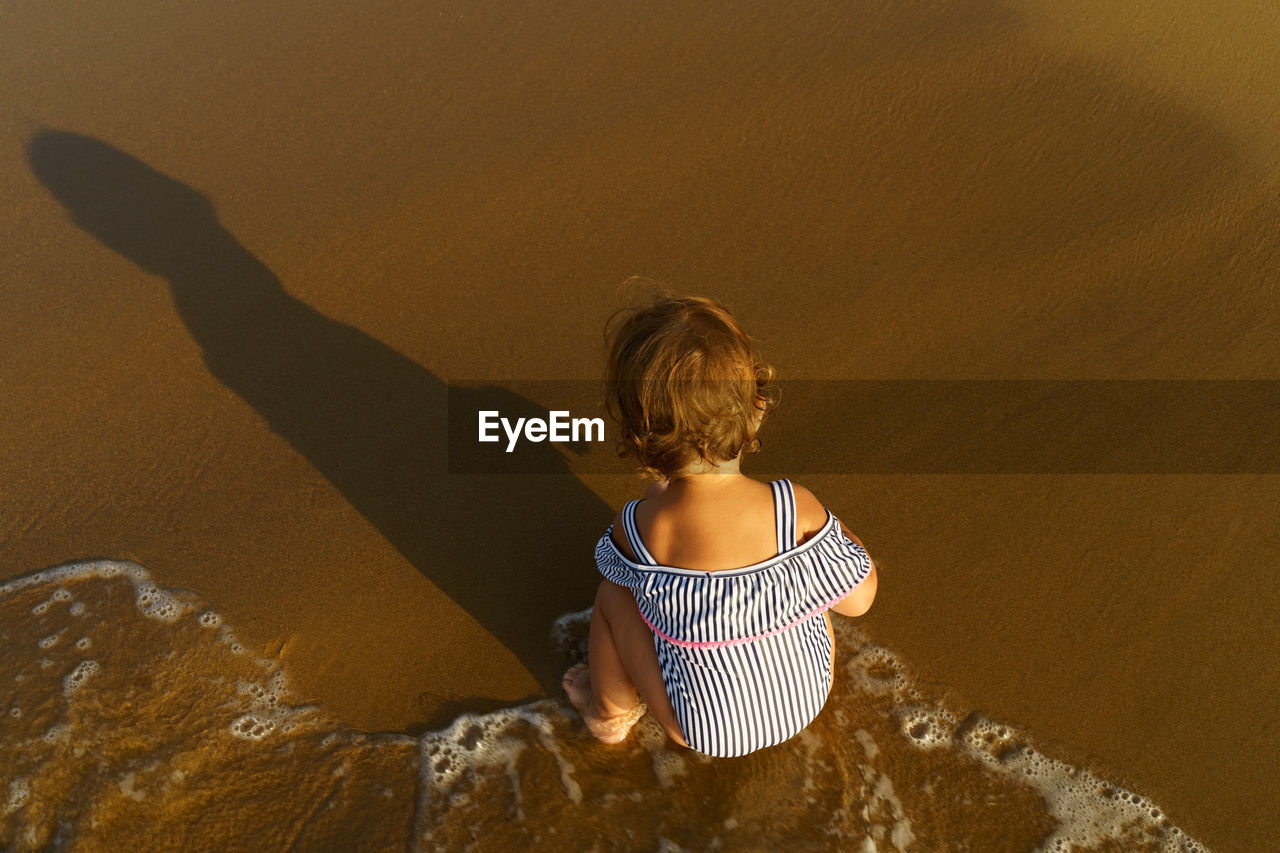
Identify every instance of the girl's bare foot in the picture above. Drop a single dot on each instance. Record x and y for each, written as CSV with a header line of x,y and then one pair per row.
x,y
577,685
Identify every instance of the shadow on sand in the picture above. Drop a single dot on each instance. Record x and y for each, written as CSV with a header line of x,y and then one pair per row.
x,y
370,419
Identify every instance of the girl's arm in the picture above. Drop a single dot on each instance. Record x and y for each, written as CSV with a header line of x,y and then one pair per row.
x,y
859,601
812,517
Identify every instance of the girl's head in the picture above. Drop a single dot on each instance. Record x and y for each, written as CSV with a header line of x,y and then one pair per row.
x,y
685,384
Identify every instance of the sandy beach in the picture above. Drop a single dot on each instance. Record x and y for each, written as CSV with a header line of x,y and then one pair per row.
x,y
248,253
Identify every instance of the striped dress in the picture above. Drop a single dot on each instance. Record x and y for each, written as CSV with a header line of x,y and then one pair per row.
x,y
744,653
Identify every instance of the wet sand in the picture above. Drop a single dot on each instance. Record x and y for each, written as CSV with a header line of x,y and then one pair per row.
x,y
408,198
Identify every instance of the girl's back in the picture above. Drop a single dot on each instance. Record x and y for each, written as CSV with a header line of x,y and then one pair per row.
x,y
715,522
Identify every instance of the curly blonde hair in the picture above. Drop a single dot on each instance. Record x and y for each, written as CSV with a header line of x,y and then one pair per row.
x,y
685,383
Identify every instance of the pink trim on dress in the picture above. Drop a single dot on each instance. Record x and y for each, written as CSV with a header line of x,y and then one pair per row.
x,y
717,644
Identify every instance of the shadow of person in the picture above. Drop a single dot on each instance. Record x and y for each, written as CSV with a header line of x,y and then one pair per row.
x,y
371,420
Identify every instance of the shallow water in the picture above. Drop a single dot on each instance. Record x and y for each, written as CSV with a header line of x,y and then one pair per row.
x,y
133,717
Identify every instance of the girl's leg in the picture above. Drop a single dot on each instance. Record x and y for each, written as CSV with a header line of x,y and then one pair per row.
x,y
622,661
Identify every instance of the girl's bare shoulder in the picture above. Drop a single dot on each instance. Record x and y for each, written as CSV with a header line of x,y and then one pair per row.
x,y
811,515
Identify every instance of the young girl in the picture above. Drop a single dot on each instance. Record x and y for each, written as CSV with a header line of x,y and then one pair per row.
x,y
713,610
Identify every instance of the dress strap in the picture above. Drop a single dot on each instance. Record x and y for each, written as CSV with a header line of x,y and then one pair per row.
x,y
784,514
633,535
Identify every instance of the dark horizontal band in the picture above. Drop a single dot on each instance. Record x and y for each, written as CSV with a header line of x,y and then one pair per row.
x,y
918,427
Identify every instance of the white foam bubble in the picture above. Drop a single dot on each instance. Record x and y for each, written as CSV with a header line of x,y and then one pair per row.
x,y
229,639
929,728
79,676
16,797
51,640
868,743
569,634
158,604
127,784
267,709
253,727
815,769
669,767
59,733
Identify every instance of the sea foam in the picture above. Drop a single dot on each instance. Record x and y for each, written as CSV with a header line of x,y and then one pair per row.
x,y
134,711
